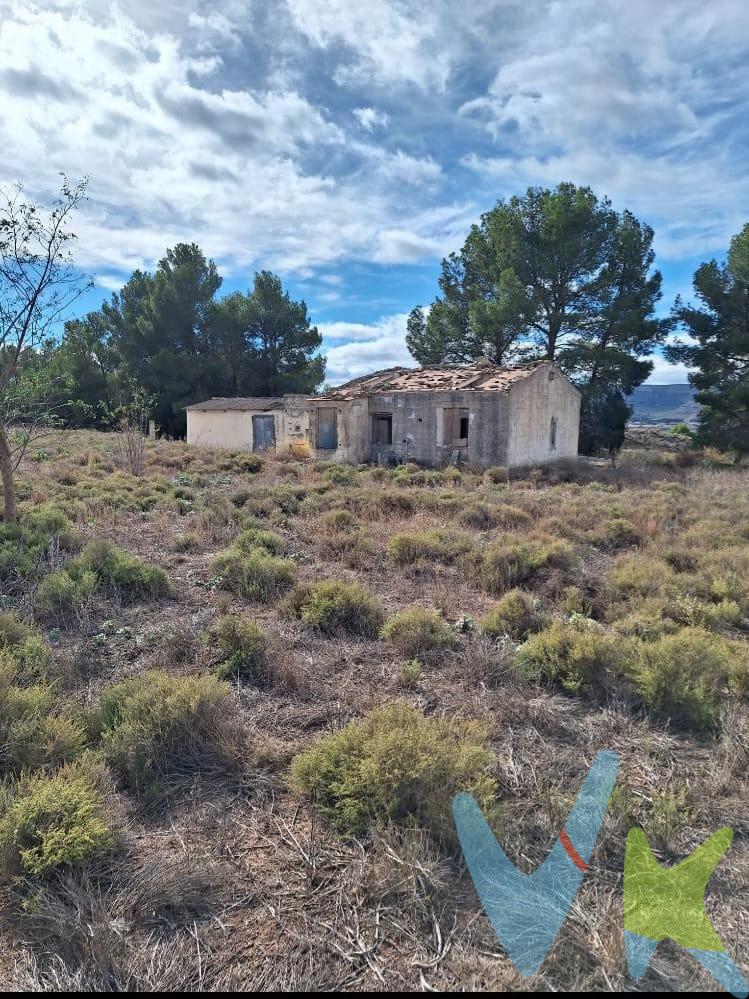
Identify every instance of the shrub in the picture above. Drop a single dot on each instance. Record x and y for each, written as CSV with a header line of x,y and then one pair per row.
x,y
579,655
410,674
243,644
479,516
36,730
155,725
122,573
514,615
338,521
640,576
510,516
416,631
259,537
616,533
55,822
185,542
337,608
409,547
61,596
25,649
241,462
681,561
681,676
255,574
502,566
441,545
340,475
25,547
396,765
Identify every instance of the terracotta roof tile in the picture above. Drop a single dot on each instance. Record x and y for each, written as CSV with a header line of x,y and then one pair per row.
x,y
485,377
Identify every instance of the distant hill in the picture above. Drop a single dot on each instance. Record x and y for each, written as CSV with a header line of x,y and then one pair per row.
x,y
664,404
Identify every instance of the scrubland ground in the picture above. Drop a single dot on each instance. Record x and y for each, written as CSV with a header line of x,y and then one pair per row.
x,y
237,696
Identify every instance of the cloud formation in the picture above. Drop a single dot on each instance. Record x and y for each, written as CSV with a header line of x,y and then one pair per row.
x,y
338,137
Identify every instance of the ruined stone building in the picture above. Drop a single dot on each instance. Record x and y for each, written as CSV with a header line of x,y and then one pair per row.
x,y
478,416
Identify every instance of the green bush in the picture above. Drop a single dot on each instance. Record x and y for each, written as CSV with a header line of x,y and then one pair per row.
x,y
254,574
244,646
408,547
335,608
156,725
515,614
61,596
118,571
340,475
36,729
396,765
252,538
416,631
24,648
24,547
682,676
502,566
55,822
578,655
639,576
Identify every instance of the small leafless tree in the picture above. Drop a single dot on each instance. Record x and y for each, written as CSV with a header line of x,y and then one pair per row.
x,y
132,420
38,283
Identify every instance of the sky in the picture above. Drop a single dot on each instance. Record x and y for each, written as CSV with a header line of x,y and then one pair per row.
x,y
348,145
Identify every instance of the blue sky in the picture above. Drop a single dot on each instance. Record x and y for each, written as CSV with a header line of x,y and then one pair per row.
x,y
349,145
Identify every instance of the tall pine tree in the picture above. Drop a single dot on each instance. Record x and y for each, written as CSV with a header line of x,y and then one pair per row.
x,y
555,274
719,347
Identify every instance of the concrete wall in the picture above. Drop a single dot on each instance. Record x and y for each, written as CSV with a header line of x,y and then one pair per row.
x,y
225,428
352,431
420,423
233,428
534,401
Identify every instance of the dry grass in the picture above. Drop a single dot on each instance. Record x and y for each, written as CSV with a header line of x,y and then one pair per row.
x,y
229,880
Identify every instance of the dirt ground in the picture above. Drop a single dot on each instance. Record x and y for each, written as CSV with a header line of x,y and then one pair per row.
x,y
230,880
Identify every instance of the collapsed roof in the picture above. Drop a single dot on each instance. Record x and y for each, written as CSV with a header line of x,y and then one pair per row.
x,y
483,376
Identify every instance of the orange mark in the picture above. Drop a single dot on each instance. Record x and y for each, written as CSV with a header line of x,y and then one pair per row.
x,y
574,856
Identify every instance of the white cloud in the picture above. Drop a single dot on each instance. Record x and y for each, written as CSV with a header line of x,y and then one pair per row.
x,y
371,118
390,41
665,373
174,153
370,346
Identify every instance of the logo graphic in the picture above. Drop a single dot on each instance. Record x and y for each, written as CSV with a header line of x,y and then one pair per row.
x,y
662,903
527,910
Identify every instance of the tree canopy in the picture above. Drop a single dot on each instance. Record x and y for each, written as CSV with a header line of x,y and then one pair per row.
x,y
168,333
555,274
718,346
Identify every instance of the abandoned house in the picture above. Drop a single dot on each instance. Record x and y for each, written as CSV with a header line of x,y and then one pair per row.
x,y
479,416
256,424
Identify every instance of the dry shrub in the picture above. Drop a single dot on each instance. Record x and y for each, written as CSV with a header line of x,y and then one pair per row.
x,y
157,726
396,765
418,631
336,608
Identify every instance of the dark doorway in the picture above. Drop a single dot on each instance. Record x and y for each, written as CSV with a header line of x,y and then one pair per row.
x,y
263,433
382,428
327,429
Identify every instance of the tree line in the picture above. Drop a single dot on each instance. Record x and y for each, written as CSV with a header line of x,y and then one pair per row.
x,y
170,335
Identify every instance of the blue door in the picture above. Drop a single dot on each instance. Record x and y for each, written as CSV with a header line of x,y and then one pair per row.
x,y
263,433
